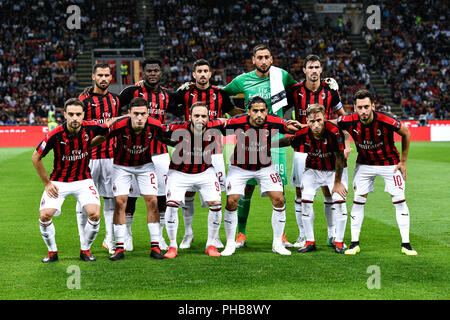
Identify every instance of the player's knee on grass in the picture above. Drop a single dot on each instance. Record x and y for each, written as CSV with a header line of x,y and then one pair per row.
x,y
46,215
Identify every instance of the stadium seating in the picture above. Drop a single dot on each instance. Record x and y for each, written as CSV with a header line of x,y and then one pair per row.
x,y
410,51
38,54
225,38
37,60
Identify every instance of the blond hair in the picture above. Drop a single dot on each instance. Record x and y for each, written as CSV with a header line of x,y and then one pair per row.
x,y
315,108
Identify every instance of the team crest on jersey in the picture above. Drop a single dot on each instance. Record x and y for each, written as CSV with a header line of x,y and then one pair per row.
x,y
229,187
378,132
214,96
323,95
149,135
86,137
162,96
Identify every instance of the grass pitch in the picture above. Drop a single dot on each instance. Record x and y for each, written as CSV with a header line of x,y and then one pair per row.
x,y
253,272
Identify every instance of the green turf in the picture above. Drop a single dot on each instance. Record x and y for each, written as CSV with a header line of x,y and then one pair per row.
x,y
253,272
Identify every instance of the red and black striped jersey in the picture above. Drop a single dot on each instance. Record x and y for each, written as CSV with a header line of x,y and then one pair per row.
x,y
71,152
375,141
214,97
134,149
159,102
192,154
321,152
300,97
252,150
101,109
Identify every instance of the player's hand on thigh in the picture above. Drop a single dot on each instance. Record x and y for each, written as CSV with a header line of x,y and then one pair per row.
x,y
51,190
402,167
340,189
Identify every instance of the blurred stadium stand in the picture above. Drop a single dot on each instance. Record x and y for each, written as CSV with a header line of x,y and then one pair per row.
x,y
404,63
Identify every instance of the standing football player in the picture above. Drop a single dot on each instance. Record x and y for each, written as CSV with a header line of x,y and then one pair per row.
x,y
219,104
191,168
71,145
101,105
159,101
251,159
300,96
373,133
325,165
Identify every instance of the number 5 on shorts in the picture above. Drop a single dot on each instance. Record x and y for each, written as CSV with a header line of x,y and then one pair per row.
x,y
94,191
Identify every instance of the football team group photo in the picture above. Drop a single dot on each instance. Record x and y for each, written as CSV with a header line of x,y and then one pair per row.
x,y
180,141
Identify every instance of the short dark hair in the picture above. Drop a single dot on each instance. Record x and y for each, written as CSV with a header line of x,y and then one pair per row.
x,y
256,99
151,61
137,102
101,65
198,104
261,46
200,62
311,58
362,94
73,102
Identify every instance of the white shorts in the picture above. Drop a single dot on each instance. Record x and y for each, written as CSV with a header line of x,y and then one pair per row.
x,y
162,163
206,183
218,163
267,178
84,191
364,179
298,167
101,172
145,176
314,179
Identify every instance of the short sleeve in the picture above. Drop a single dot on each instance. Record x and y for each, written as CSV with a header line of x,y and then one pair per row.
x,y
46,145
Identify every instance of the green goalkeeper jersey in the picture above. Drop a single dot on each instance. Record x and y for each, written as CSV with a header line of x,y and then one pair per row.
x,y
250,84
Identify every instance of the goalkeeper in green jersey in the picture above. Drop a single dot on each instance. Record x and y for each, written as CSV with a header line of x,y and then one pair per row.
x,y
257,82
